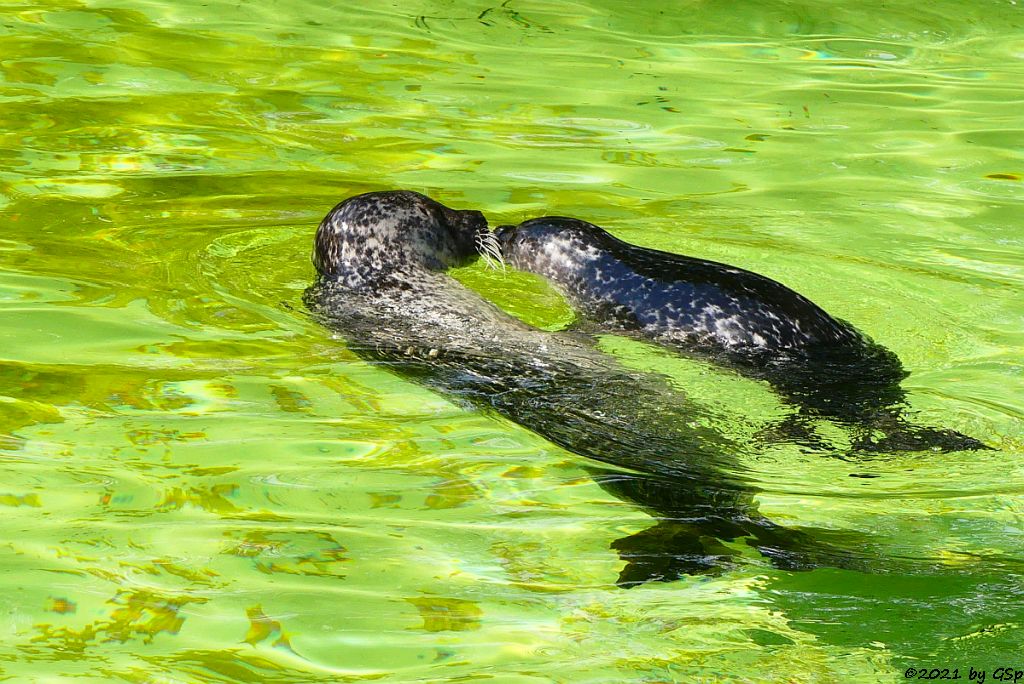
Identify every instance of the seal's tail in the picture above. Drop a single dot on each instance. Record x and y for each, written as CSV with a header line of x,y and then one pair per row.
x,y
882,433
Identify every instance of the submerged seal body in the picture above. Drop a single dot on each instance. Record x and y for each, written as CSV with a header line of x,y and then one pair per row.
x,y
743,319
382,288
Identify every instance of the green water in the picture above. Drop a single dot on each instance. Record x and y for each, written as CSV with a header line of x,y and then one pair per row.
x,y
200,484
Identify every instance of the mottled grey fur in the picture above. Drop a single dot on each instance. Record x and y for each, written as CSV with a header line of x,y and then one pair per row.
x,y
694,301
733,316
354,246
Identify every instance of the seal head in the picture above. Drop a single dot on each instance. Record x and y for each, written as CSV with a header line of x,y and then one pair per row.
x,y
368,239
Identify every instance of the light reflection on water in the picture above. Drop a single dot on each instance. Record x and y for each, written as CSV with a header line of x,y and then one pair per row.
x,y
200,484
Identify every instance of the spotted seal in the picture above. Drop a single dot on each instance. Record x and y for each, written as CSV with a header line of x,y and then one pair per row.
x,y
740,318
382,288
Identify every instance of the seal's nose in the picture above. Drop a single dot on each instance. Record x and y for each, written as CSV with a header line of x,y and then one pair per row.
x,y
474,220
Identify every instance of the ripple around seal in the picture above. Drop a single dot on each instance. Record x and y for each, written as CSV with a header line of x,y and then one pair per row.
x,y
555,177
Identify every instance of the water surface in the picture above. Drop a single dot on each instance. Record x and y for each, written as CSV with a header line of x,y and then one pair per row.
x,y
201,484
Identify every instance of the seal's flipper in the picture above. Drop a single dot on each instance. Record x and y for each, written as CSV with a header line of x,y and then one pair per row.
x,y
906,437
695,520
793,429
672,549
582,327
811,548
668,551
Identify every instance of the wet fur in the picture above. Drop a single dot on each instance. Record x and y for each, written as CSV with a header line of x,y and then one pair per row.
x,y
732,316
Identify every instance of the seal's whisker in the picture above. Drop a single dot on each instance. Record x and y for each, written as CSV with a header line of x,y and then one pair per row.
x,y
488,260
488,247
478,243
496,253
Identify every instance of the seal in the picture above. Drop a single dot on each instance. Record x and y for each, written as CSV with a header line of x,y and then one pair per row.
x,y
382,288
736,317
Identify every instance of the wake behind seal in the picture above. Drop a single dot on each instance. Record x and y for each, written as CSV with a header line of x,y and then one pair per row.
x,y
731,315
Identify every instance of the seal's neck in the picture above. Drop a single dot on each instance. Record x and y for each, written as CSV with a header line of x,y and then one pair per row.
x,y
413,308
368,277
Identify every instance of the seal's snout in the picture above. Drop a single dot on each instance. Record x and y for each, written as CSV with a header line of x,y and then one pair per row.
x,y
476,219
470,223
504,237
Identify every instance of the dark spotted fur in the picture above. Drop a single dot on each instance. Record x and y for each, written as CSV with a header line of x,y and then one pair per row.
x,y
353,245
745,320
